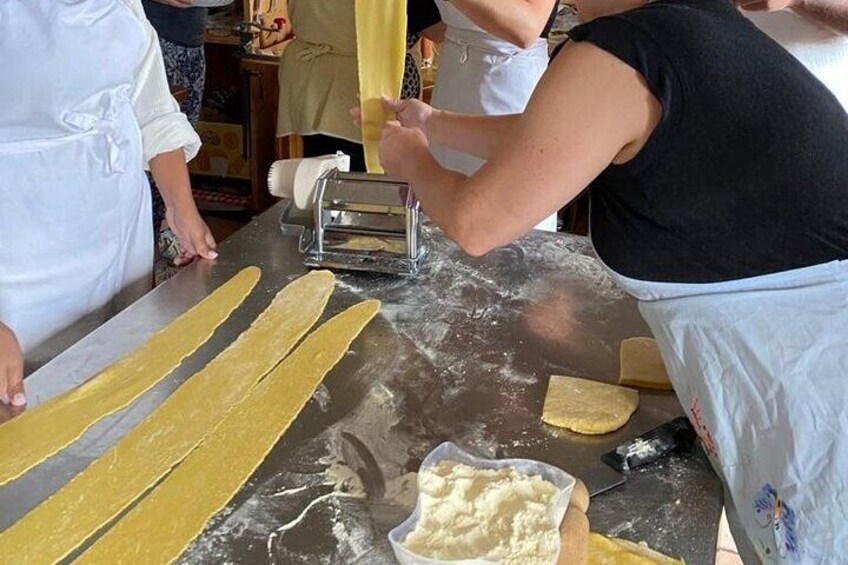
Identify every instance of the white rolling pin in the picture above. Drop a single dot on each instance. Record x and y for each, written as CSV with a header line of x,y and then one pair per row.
x,y
295,178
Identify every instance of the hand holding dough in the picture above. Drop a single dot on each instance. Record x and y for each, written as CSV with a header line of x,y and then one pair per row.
x,y
588,407
641,364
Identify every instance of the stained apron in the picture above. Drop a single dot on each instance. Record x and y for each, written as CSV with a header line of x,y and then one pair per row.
x,y
75,229
761,367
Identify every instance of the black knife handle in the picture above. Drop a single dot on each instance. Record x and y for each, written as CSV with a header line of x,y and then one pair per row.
x,y
652,446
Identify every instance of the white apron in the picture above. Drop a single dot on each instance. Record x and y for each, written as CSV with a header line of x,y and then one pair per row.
x,y
480,74
823,51
761,367
75,219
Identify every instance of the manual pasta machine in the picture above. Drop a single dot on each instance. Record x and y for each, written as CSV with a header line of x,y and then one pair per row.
x,y
348,221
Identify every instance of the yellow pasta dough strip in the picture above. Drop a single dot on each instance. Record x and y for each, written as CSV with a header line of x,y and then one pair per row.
x,y
160,528
381,50
614,551
37,434
109,485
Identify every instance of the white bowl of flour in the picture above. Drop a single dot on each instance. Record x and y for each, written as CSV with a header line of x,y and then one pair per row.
x,y
475,511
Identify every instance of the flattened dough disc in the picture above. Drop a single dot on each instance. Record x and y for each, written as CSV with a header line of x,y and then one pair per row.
x,y
642,365
613,551
588,407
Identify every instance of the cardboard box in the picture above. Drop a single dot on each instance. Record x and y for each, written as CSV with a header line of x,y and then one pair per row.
x,y
221,153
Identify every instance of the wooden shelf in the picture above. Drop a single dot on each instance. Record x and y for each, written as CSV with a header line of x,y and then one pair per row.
x,y
220,39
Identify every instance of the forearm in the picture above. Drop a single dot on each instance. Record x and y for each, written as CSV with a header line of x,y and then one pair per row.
x,y
480,136
471,210
832,13
170,172
518,21
443,196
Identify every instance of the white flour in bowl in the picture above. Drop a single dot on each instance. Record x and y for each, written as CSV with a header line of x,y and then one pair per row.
x,y
497,514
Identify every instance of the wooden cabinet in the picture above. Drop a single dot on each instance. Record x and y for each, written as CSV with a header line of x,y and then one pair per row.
x,y
262,97
243,43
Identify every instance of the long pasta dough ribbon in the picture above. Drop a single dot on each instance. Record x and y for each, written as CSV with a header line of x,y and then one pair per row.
x,y
162,525
35,435
109,485
381,50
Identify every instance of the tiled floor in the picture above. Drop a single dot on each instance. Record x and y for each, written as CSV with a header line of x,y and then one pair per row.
x,y
726,551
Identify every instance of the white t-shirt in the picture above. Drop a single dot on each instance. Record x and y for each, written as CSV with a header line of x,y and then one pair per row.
x,y
823,51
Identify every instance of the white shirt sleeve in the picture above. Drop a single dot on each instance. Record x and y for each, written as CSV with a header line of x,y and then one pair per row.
x,y
163,127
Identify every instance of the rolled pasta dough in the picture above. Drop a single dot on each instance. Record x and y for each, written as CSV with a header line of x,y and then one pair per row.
x,y
381,50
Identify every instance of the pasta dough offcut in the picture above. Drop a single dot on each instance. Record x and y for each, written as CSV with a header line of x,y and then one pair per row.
x,y
588,407
381,49
641,364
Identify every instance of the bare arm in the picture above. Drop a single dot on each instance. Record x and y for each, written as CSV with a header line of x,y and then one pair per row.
x,y
171,175
588,111
518,21
475,135
480,136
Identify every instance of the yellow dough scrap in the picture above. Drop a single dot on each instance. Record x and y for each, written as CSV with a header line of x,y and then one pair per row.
x,y
381,51
359,243
641,364
164,523
111,483
37,434
588,407
613,551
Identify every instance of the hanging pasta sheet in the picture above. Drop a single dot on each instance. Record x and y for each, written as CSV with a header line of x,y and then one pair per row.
x,y
381,50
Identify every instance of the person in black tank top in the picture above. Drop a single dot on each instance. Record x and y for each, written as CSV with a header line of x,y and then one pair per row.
x,y
716,167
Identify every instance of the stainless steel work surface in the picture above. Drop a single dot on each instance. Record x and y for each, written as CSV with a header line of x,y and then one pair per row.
x,y
462,353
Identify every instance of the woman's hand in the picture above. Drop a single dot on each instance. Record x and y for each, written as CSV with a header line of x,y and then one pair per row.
x,y
11,369
195,238
403,150
171,175
411,113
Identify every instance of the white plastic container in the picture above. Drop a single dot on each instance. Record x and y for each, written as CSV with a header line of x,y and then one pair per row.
x,y
449,451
